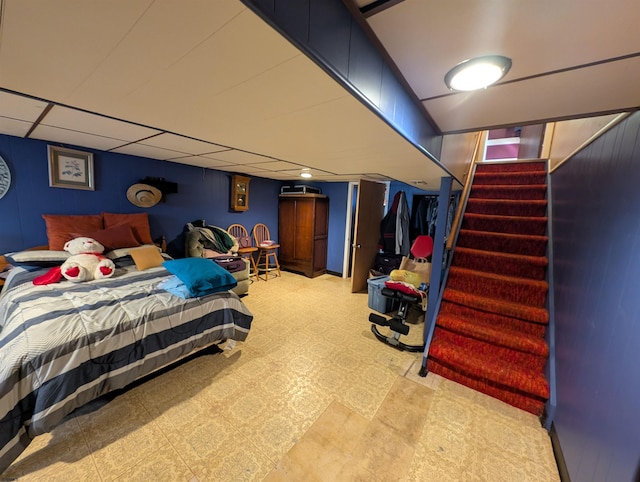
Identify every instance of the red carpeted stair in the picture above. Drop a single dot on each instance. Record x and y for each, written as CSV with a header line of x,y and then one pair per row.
x,y
490,330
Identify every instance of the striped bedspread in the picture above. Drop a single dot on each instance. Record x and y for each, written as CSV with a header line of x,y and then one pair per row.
x,y
65,344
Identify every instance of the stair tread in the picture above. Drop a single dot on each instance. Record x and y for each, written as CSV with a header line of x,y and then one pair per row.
x,y
492,305
516,187
513,339
505,218
495,370
506,235
509,201
508,173
501,277
513,166
537,260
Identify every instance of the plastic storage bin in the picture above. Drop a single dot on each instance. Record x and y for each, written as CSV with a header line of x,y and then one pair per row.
x,y
377,301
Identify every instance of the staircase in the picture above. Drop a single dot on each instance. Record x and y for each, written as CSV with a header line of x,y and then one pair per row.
x,y
489,332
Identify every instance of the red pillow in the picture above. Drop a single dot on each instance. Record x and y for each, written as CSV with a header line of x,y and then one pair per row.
x,y
120,236
139,223
60,227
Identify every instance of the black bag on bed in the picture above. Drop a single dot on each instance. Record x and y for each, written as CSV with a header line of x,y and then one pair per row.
x,y
232,264
387,262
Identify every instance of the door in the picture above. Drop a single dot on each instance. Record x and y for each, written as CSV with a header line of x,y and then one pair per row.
x,y
369,213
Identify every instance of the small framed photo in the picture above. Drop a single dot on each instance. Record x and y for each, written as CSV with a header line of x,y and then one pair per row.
x,y
70,168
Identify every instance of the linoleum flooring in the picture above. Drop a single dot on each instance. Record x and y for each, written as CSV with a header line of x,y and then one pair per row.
x,y
311,395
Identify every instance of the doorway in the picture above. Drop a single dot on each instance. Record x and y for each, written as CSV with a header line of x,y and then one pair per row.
x,y
370,205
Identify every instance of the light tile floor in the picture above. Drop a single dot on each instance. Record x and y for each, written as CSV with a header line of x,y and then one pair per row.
x,y
311,395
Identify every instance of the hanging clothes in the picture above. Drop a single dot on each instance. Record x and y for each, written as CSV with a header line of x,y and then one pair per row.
x,y
424,218
394,227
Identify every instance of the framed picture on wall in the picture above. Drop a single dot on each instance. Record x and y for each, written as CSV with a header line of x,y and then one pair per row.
x,y
70,168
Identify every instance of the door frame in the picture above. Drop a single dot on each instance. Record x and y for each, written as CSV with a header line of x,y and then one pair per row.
x,y
348,242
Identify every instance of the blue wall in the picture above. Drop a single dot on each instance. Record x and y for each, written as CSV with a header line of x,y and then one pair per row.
x,y
596,229
202,194
337,192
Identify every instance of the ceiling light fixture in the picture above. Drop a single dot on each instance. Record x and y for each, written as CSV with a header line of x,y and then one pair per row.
x,y
477,73
306,174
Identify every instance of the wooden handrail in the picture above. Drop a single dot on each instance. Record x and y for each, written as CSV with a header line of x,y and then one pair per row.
x,y
611,124
466,189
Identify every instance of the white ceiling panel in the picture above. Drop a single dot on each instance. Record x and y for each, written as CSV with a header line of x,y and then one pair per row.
x,y
75,138
14,127
184,144
205,75
55,46
20,107
543,98
277,166
143,150
202,161
89,123
156,47
240,157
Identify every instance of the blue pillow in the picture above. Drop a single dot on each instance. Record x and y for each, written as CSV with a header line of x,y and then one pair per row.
x,y
201,276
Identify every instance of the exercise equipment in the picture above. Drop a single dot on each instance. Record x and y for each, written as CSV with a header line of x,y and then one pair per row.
x,y
421,249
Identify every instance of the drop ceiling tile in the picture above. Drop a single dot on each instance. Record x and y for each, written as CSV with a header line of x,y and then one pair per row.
x,y
240,157
337,177
66,136
202,161
314,172
81,121
21,108
14,127
183,144
137,149
277,166
212,155
253,170
281,176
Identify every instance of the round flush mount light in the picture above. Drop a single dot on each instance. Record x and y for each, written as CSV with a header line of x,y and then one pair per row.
x,y
306,174
477,73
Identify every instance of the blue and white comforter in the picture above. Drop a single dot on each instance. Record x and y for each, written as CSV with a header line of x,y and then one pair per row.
x,y
65,344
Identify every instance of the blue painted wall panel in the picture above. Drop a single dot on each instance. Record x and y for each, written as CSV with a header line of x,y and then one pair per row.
x,y
365,67
596,229
202,194
337,192
329,33
292,13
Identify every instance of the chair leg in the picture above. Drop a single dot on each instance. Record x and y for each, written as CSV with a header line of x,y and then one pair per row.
x,y
254,268
266,266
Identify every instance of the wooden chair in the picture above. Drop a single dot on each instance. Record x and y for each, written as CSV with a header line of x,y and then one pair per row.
x,y
239,232
266,252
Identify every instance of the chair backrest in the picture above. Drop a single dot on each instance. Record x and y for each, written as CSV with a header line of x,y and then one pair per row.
x,y
260,233
422,247
237,231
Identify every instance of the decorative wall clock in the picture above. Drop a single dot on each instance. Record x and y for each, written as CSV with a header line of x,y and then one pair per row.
x,y
5,177
239,193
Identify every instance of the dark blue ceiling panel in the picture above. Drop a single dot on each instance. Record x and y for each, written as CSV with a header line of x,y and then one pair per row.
x,y
329,33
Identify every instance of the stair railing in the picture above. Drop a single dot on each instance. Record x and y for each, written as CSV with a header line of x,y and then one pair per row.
x,y
432,314
475,158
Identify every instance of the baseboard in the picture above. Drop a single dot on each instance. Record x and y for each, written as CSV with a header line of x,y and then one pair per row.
x,y
557,452
334,273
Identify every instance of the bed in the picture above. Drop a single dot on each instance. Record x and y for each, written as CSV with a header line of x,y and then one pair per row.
x,y
65,344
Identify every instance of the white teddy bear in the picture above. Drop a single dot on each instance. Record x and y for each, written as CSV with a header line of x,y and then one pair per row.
x,y
86,261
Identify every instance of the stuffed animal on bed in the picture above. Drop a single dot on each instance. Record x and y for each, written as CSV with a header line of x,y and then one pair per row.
x,y
85,263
